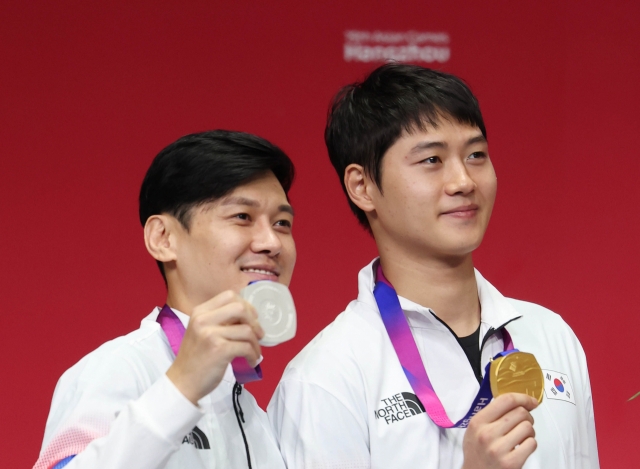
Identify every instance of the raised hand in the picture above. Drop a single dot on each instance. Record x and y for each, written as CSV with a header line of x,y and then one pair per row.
x,y
501,435
219,330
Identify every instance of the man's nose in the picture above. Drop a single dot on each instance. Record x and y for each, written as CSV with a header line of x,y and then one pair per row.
x,y
458,180
266,239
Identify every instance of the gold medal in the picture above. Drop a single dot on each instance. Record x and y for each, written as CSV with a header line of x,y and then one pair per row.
x,y
517,372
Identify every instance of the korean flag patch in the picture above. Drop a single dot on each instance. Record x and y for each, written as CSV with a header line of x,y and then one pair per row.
x,y
557,386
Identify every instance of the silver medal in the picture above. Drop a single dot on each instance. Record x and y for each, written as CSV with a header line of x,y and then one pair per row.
x,y
276,311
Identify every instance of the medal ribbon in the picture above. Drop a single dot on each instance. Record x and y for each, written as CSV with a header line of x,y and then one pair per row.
x,y
174,330
407,351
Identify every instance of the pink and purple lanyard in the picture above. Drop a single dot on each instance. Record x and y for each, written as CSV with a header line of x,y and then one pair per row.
x,y
407,351
174,330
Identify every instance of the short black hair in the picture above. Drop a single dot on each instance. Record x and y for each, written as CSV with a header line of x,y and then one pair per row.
x,y
366,118
202,167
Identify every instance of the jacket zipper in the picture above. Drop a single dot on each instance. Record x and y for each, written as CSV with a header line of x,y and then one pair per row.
x,y
235,396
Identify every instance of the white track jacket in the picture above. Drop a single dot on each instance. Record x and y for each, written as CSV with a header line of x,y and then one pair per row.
x,y
344,401
116,409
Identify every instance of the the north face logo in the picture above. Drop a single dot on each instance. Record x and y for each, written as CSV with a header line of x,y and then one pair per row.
x,y
398,407
414,404
197,438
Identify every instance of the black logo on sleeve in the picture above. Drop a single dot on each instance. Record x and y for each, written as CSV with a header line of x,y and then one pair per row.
x,y
197,438
398,407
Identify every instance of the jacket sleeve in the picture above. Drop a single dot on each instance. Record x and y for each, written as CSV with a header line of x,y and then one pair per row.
x,y
316,429
592,444
106,414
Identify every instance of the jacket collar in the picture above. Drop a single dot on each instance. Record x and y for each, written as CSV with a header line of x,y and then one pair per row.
x,y
184,319
496,311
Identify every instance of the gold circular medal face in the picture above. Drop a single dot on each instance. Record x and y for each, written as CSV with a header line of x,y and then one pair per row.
x,y
517,372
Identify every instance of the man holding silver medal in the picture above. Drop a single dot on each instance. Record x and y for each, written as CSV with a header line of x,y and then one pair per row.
x,y
431,367
216,218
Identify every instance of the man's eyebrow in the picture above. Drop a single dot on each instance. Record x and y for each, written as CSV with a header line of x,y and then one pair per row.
x,y
254,203
240,201
477,139
427,146
286,208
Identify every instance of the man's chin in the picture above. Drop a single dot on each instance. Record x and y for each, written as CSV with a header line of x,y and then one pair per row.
x,y
458,251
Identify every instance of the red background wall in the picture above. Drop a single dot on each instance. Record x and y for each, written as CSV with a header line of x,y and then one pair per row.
x,y
90,93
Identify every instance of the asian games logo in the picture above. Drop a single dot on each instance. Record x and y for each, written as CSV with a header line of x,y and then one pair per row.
x,y
407,46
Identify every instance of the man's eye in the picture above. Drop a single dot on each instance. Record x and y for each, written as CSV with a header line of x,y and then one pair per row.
x,y
285,223
431,160
477,154
242,216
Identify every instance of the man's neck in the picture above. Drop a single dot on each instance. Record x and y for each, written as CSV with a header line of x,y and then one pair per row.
x,y
177,300
446,286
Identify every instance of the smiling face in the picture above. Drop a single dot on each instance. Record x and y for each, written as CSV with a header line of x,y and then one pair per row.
x,y
438,189
241,237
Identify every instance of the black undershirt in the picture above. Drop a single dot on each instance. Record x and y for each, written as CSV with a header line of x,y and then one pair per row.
x,y
471,346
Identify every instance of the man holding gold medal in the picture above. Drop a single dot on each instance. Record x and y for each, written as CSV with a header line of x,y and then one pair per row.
x,y
431,367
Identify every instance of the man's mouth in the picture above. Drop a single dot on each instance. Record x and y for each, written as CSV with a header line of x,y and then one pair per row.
x,y
259,271
463,211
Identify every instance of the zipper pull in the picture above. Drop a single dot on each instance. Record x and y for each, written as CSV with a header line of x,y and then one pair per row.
x,y
238,390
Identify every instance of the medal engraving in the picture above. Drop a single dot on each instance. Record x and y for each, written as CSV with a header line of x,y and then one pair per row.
x,y
275,308
517,372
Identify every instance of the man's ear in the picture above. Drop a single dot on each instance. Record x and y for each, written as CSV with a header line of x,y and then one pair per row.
x,y
159,237
359,187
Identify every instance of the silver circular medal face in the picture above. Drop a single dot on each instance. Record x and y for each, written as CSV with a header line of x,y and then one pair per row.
x,y
276,311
